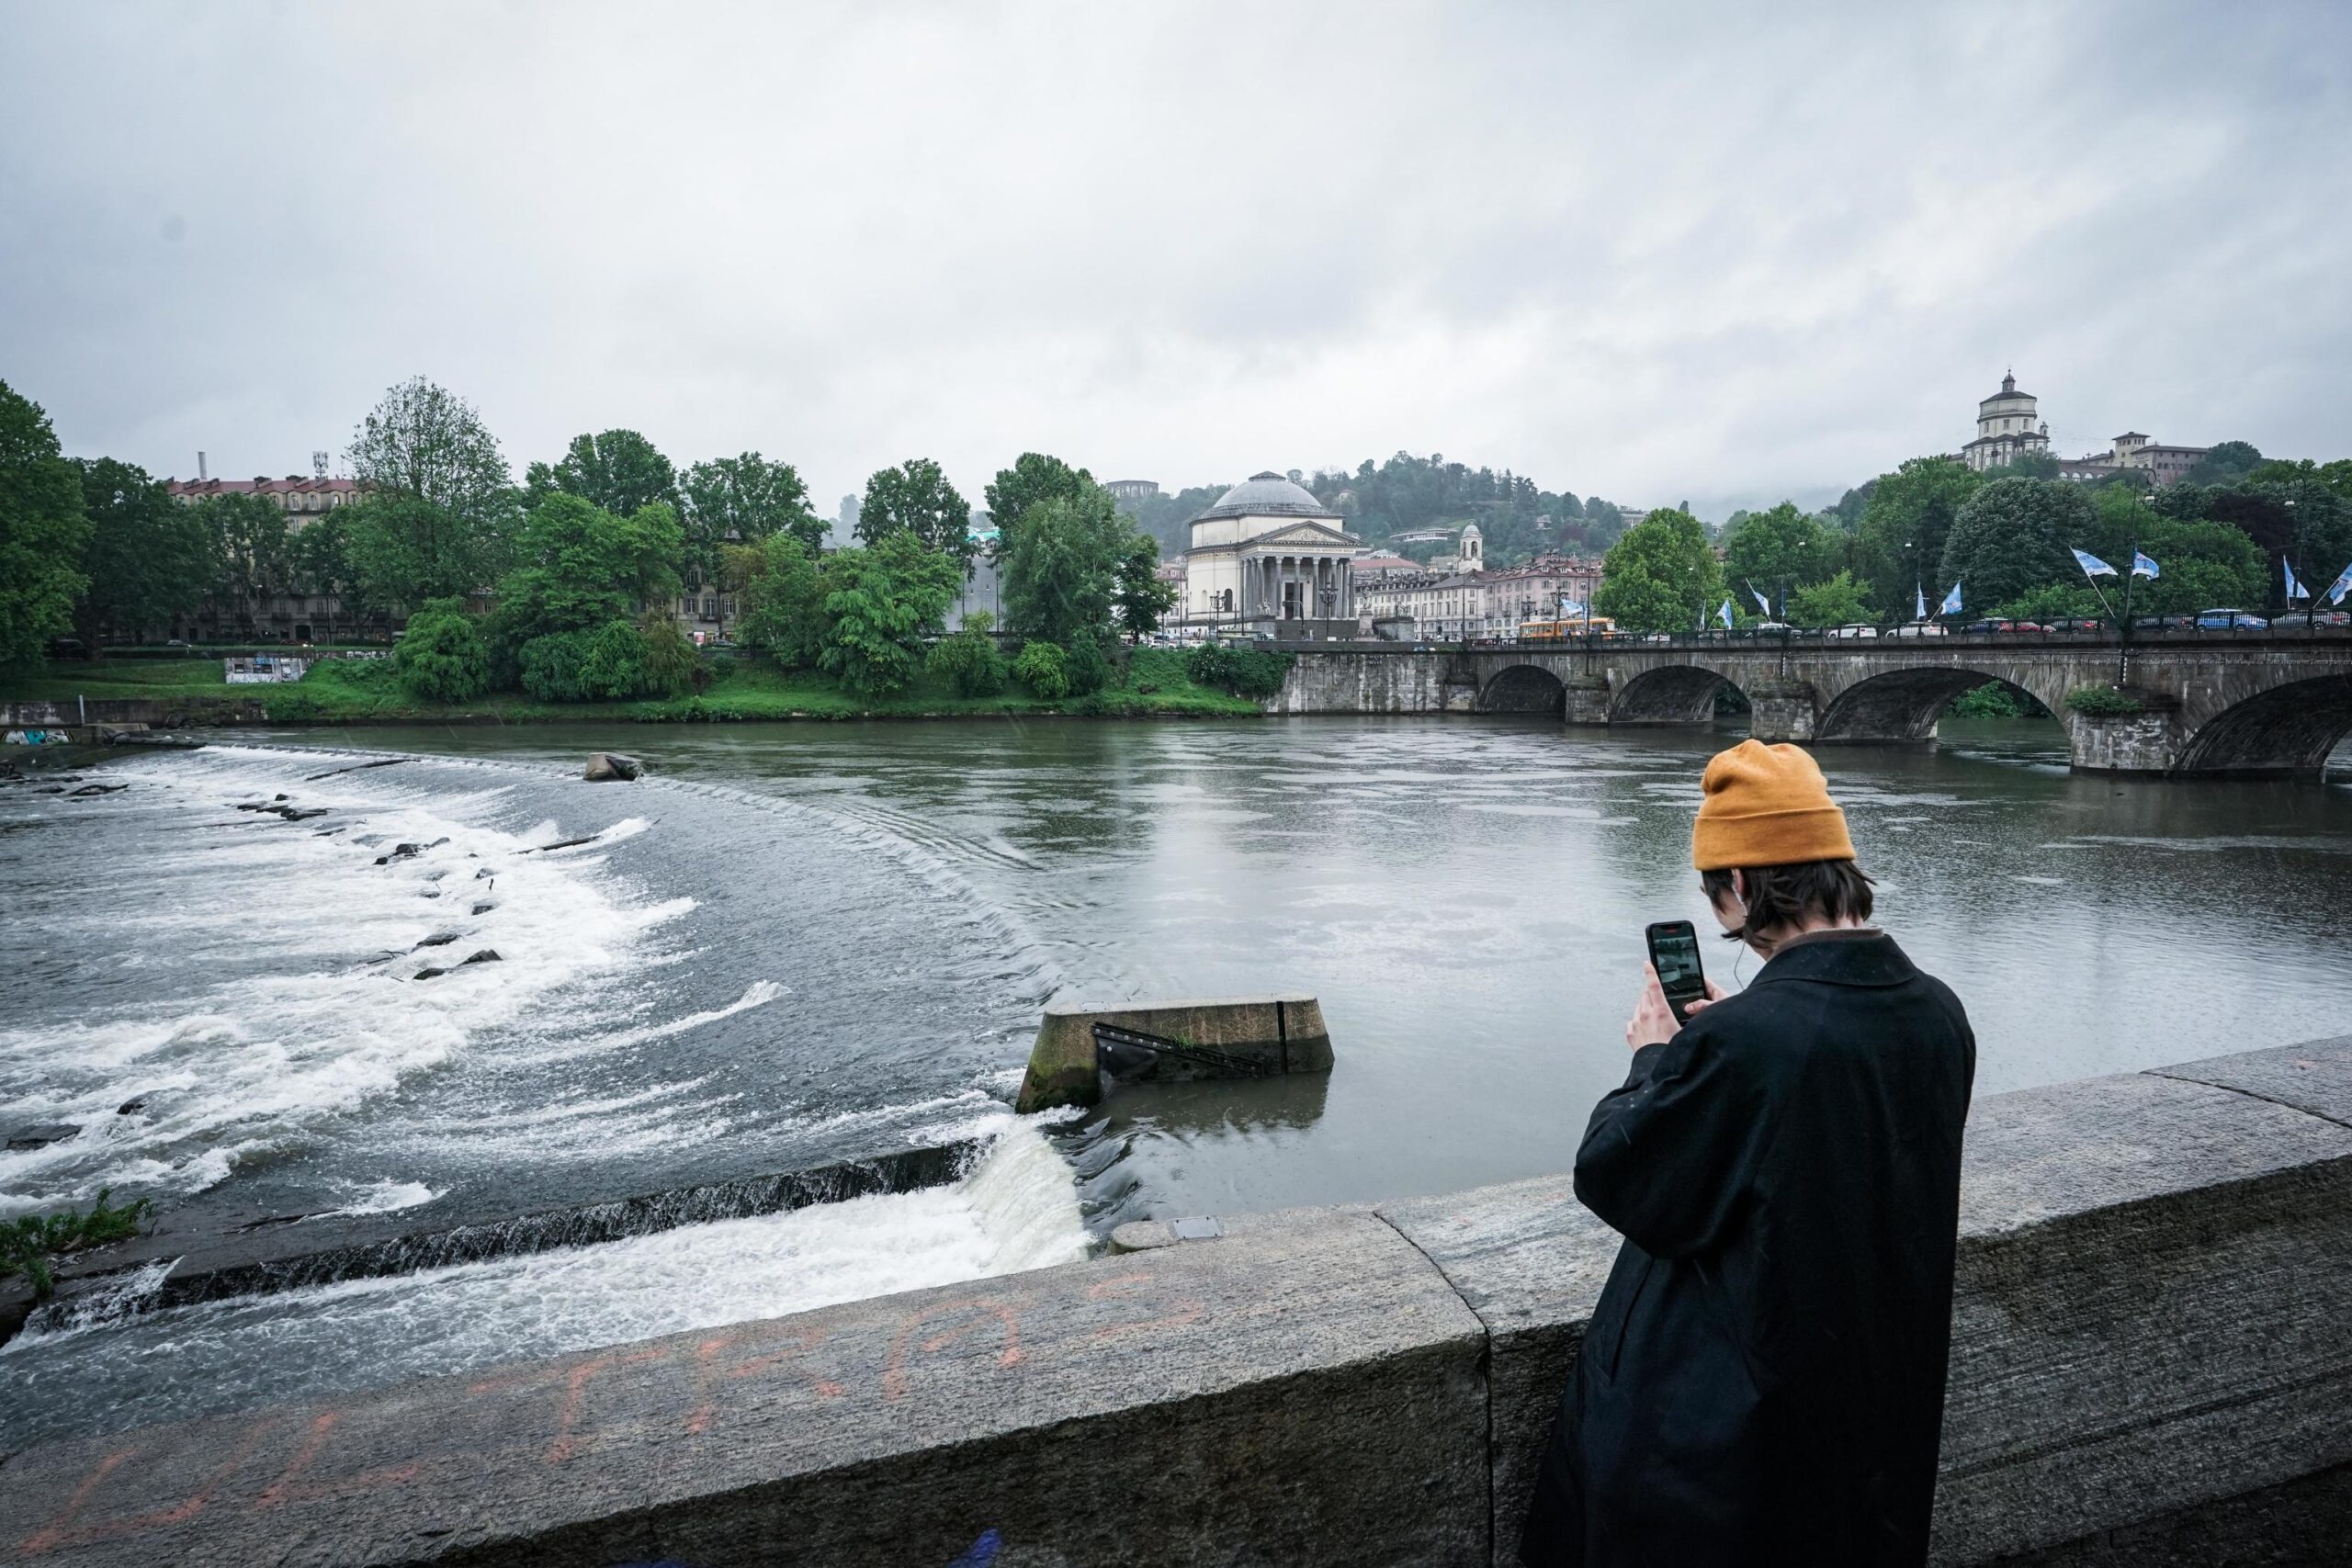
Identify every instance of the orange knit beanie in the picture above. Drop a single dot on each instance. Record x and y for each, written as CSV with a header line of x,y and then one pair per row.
x,y
1766,806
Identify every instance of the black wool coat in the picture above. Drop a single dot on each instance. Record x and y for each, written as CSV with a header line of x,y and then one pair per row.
x,y
1762,1381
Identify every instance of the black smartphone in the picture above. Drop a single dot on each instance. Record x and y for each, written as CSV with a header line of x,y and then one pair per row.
x,y
1674,954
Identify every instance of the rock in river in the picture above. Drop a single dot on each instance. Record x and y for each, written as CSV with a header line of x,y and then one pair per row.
x,y
606,766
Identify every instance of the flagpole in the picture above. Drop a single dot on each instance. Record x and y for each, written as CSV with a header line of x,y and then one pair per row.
x,y
2123,628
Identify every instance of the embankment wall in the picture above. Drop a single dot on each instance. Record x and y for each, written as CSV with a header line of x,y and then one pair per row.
x,y
2149,1366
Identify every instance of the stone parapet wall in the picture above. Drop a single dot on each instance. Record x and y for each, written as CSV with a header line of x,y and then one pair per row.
x,y
2149,1366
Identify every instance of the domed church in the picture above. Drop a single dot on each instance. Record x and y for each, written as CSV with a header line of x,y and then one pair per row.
x,y
1268,552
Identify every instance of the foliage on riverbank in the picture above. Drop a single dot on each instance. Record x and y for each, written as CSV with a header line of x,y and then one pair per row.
x,y
1147,680
30,1244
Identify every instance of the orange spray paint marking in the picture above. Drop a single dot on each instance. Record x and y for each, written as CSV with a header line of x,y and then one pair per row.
x,y
567,1442
283,1490
806,1339
893,1373
60,1532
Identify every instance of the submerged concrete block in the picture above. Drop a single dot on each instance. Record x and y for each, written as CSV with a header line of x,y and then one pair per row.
x,y
1284,1032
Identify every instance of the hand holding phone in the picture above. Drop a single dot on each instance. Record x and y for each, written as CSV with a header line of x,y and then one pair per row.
x,y
1674,955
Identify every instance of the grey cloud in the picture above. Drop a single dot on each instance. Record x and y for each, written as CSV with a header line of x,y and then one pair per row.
x,y
1728,253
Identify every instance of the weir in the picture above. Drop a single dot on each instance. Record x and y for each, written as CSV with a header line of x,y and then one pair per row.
x,y
269,1255
2148,1367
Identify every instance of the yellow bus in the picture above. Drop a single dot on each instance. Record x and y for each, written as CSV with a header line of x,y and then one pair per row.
x,y
1565,630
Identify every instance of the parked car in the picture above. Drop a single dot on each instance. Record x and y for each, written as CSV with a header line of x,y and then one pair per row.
x,y
2229,620
1856,630
2077,624
1775,627
2163,623
2306,620
1978,627
1918,628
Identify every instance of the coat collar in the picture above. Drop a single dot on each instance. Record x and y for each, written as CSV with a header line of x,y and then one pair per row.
x,y
1864,958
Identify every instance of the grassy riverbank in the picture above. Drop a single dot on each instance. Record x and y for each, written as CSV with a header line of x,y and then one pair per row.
x,y
1151,680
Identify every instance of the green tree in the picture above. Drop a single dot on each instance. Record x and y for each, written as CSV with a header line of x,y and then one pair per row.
x,y
916,498
2203,563
1059,579
149,561
669,655
2013,536
42,532
580,567
883,601
323,567
1141,599
1044,667
423,444
744,499
969,660
1661,576
252,554
441,657
2030,466
1900,542
612,663
780,587
2225,463
620,471
1837,601
402,549
1034,479
1777,550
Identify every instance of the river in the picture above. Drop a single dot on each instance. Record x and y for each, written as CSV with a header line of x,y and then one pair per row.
x,y
798,944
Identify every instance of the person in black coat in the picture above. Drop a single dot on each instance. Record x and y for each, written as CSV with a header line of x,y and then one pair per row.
x,y
1762,1381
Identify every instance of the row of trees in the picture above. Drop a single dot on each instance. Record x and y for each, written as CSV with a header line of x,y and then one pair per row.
x,y
2004,535
1073,572
561,586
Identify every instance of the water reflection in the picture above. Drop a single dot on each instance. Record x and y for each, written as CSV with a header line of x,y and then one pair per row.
x,y
1466,898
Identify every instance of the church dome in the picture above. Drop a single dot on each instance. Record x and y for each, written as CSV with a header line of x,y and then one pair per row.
x,y
1266,494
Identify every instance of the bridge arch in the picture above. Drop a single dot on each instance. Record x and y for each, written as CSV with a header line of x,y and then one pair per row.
x,y
1670,693
2287,730
1524,688
1904,705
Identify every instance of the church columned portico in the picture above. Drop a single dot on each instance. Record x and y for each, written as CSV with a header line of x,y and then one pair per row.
x,y
1268,552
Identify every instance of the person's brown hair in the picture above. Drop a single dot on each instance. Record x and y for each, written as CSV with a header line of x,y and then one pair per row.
x,y
1780,896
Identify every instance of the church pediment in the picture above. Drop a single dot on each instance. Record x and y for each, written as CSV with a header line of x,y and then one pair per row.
x,y
1303,535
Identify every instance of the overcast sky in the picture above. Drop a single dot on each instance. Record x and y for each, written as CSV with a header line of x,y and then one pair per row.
x,y
1652,253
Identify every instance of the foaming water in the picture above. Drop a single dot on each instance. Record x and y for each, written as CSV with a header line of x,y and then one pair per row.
x,y
1017,1210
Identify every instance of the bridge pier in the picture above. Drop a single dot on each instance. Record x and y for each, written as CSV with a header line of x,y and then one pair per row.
x,y
1783,710
2149,742
1588,699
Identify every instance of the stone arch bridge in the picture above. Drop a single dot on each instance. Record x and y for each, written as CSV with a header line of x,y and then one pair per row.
x,y
2228,704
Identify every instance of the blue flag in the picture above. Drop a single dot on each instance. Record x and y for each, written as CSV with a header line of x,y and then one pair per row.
x,y
1569,606
2340,587
1725,613
2092,566
1761,603
1952,602
2143,567
2294,590
1919,610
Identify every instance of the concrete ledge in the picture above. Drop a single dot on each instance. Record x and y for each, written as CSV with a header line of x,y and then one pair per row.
x,y
1285,1033
2149,1366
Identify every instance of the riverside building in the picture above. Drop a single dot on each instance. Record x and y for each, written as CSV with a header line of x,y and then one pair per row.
x,y
1269,557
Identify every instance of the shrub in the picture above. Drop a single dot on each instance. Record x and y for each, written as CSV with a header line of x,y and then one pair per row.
x,y
1044,667
672,661
27,1243
550,666
1090,669
2103,702
969,660
1244,672
442,657
1993,700
612,666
